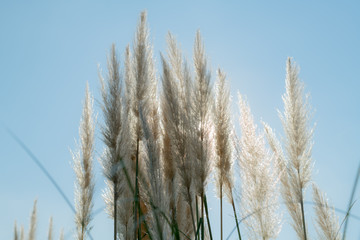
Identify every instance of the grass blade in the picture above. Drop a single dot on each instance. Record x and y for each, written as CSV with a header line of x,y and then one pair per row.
x,y
351,201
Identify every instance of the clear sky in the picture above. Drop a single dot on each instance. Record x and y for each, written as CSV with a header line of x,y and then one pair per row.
x,y
50,49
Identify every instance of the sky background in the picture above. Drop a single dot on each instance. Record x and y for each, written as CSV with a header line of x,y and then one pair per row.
x,y
50,49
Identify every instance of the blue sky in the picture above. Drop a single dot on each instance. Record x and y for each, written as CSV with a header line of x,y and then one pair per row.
x,y
49,50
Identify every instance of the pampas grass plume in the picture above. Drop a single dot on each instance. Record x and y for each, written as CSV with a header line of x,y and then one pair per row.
x,y
33,223
83,168
328,223
259,180
50,233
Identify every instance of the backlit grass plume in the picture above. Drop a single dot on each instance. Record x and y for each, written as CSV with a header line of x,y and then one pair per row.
x,y
50,232
22,234
294,167
142,95
203,100
203,123
259,198
327,222
113,156
163,144
298,145
154,196
33,223
223,143
83,167
61,234
175,109
16,237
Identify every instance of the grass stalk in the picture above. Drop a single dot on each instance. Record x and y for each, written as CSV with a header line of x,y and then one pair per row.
x,y
115,211
197,214
207,217
221,214
197,209
303,215
133,191
192,213
197,232
202,217
136,196
236,219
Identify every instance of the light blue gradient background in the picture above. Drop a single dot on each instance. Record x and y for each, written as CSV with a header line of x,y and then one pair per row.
x,y
48,50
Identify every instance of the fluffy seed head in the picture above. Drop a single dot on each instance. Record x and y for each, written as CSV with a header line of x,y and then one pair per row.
x,y
259,180
83,167
327,222
223,132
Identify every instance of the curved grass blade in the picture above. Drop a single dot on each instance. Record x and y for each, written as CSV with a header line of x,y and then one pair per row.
x,y
43,169
351,201
347,213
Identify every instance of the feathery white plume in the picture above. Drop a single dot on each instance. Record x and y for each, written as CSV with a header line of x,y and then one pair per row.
x,y
33,223
326,219
83,167
259,180
50,233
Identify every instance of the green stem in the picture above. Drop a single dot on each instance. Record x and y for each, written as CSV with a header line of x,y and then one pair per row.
x,y
136,198
197,209
115,210
191,212
303,216
202,217
197,214
221,214
133,191
351,201
236,219
207,217
198,228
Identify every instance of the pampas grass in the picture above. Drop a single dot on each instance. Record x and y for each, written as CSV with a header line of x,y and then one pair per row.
x,y
144,90
61,235
294,167
328,223
50,232
164,143
16,237
298,146
33,223
259,198
83,170
203,139
177,124
112,109
224,144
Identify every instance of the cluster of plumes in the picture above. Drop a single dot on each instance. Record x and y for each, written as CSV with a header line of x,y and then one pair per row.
x,y
259,198
176,121
161,146
83,167
161,149
294,168
113,159
154,144
132,137
20,234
